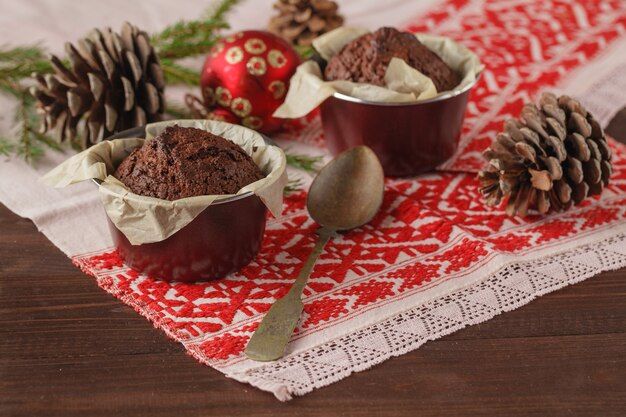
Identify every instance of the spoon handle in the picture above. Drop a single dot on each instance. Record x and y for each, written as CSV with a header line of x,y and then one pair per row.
x,y
270,339
324,236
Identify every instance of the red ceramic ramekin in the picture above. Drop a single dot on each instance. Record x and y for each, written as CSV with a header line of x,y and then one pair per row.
x,y
408,138
222,239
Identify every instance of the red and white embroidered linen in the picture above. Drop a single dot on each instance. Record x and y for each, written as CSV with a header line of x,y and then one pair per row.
x,y
434,260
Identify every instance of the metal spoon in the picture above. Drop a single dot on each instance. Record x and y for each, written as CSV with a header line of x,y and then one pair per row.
x,y
346,194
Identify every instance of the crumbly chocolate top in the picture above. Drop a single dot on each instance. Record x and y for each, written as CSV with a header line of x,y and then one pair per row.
x,y
365,59
185,162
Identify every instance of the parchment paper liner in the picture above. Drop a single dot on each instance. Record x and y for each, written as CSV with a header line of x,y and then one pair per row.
x,y
308,89
146,219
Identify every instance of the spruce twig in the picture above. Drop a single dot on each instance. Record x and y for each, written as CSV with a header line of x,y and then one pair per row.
x,y
16,64
220,11
20,62
191,38
45,139
293,186
305,52
177,74
6,147
26,148
303,162
10,87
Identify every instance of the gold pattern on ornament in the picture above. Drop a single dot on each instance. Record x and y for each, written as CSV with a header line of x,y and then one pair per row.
x,y
216,117
276,58
256,66
209,96
241,106
234,55
223,96
277,88
255,46
217,49
252,122
234,37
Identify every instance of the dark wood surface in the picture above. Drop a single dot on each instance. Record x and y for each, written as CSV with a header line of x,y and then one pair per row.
x,y
69,349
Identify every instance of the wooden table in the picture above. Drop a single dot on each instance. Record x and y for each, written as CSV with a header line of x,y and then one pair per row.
x,y
69,349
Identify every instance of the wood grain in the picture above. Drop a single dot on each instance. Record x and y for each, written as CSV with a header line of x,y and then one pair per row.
x,y
69,349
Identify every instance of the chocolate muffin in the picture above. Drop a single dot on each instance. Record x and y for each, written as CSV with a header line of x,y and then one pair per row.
x,y
185,162
365,59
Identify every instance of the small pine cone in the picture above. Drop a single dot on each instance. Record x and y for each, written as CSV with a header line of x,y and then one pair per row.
x,y
114,82
552,158
301,21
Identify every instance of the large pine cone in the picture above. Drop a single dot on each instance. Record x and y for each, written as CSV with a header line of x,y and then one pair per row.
x,y
552,158
301,21
114,82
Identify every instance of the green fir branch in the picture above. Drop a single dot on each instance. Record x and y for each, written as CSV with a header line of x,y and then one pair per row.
x,y
21,54
20,62
6,147
16,65
11,88
221,10
304,162
46,140
305,52
18,71
26,148
293,186
186,30
31,152
186,48
177,74
191,38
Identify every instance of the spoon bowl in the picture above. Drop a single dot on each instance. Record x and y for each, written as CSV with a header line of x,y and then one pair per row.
x,y
347,192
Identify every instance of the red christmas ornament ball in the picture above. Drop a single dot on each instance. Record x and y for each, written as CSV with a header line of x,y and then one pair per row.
x,y
247,75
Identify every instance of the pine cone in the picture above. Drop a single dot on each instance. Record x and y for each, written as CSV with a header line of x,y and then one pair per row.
x,y
114,82
555,156
301,21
